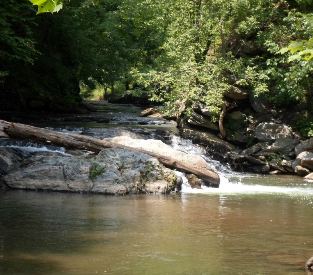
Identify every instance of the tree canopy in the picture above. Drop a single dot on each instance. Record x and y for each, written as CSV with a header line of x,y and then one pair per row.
x,y
183,51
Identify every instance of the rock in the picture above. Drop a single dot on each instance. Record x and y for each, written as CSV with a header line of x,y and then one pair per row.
x,y
200,121
237,137
250,164
194,181
295,163
256,148
287,165
236,128
259,104
112,171
9,158
306,145
269,131
203,110
309,177
236,116
301,171
236,94
190,163
214,145
309,265
275,172
283,146
148,112
306,159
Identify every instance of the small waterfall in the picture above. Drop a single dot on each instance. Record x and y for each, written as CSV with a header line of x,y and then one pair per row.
x,y
234,183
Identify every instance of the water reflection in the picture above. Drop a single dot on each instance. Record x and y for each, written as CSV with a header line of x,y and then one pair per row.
x,y
48,233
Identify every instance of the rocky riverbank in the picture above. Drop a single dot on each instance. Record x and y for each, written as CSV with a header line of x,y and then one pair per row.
x,y
112,171
266,147
256,139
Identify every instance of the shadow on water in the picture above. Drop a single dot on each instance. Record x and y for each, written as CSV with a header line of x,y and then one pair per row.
x,y
36,226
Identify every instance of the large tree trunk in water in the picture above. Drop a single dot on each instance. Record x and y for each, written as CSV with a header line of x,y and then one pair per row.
x,y
165,154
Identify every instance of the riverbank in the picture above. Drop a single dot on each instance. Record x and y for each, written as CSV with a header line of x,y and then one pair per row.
x,y
250,136
29,165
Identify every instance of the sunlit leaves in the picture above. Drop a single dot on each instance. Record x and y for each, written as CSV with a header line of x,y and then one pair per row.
x,y
299,50
47,5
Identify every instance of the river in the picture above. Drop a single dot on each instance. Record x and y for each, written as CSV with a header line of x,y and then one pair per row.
x,y
250,225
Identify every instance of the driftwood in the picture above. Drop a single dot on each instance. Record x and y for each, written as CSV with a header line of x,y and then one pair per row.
x,y
165,154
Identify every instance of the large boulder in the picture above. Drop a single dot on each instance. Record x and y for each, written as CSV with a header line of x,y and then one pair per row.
x,y
259,104
249,164
270,131
190,163
283,146
301,171
236,94
309,177
112,171
236,128
306,145
201,121
305,159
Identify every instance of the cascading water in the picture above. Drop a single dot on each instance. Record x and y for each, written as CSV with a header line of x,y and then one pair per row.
x,y
108,123
233,183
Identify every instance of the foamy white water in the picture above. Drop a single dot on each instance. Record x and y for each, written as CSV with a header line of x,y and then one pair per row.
x,y
227,185
33,149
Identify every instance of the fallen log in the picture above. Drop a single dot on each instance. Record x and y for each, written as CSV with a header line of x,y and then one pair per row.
x,y
165,154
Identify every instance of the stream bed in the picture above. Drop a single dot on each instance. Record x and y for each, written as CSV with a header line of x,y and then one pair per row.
x,y
250,225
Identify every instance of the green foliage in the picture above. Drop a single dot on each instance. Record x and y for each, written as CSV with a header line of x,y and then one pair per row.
x,y
211,46
181,52
301,49
305,126
96,170
47,5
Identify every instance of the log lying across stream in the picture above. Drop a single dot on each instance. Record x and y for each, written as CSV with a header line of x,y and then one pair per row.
x,y
166,155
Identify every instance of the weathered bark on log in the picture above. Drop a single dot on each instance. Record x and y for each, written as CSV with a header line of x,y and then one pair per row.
x,y
169,157
221,121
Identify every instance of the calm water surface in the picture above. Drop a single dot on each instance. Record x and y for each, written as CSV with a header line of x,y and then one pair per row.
x,y
55,233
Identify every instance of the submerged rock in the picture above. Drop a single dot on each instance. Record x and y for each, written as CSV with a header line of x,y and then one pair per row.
x,y
301,171
112,171
194,181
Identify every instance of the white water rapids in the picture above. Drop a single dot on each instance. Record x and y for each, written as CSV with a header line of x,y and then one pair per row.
x,y
231,183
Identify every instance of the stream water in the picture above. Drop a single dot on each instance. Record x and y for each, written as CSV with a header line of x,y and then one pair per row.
x,y
250,225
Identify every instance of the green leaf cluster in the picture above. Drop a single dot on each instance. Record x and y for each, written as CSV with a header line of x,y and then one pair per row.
x,y
47,5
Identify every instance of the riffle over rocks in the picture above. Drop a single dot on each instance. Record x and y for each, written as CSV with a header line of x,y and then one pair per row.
x,y
251,136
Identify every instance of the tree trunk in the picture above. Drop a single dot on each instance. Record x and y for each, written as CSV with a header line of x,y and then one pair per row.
x,y
165,154
221,121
